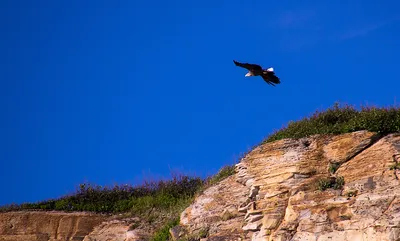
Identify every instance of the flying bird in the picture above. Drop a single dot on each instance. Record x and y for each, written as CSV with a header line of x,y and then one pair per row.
x,y
268,75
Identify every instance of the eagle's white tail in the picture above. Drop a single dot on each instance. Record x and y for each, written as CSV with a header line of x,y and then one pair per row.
x,y
270,69
249,74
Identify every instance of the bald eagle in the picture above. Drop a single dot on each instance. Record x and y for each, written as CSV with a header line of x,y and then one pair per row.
x,y
268,75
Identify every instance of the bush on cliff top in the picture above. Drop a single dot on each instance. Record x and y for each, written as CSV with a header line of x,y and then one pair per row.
x,y
342,119
175,193
157,194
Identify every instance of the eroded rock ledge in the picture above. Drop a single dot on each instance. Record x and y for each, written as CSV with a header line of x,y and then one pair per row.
x,y
61,226
274,195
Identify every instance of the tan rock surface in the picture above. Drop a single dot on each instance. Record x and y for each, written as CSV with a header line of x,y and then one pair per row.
x,y
43,226
60,226
283,202
118,230
219,207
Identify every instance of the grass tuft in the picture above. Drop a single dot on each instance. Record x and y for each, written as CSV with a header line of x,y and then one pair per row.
x,y
163,233
331,182
223,173
395,166
333,167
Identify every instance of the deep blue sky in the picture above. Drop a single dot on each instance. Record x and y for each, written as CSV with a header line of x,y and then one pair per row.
x,y
120,91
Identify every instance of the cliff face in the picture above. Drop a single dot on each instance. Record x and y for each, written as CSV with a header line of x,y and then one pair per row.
x,y
27,226
279,192
59,226
343,188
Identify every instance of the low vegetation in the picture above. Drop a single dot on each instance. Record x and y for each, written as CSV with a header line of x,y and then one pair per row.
x,y
330,182
158,194
122,198
163,233
342,119
395,166
351,193
333,167
223,173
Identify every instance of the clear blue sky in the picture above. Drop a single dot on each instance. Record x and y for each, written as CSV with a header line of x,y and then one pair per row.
x,y
119,91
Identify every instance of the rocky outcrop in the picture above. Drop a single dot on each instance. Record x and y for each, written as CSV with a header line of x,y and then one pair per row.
x,y
319,188
43,226
59,226
219,207
118,230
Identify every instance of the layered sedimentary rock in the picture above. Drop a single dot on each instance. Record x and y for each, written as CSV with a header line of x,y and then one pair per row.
x,y
60,226
319,188
43,226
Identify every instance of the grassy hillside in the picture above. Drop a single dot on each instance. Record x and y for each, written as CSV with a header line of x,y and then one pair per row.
x,y
161,194
342,119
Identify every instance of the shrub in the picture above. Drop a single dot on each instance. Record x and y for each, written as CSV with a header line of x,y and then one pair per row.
x,y
223,173
323,184
333,167
342,119
395,166
123,198
339,182
331,182
352,193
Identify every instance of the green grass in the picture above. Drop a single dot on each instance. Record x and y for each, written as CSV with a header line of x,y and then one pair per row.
x,y
123,198
333,167
161,195
342,119
163,233
332,182
223,173
395,166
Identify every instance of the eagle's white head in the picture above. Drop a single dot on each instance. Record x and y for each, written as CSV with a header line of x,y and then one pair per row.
x,y
270,69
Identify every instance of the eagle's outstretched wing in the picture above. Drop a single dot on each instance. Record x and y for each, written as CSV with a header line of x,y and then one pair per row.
x,y
271,78
248,66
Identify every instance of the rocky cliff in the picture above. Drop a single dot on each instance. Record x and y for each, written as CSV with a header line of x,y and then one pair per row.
x,y
343,187
60,226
